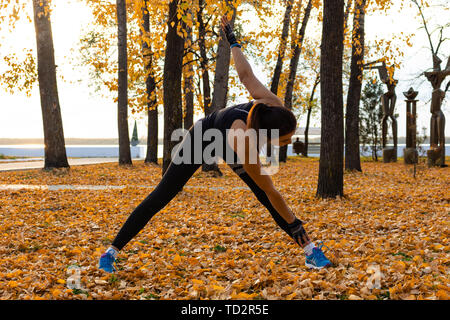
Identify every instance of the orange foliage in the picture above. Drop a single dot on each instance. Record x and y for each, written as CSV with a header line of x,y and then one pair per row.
x,y
225,245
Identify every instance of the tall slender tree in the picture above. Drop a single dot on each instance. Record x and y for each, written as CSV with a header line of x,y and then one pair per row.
x,y
203,58
352,152
282,48
173,65
293,68
281,53
55,151
221,75
188,83
331,176
188,90
152,105
122,102
219,98
309,111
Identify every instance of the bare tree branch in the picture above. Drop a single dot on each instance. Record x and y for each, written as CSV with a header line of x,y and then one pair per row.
x,y
425,25
440,40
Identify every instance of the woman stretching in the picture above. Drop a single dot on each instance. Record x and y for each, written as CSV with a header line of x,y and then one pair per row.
x,y
265,112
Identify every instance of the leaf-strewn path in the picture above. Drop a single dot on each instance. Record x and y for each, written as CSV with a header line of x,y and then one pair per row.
x,y
223,244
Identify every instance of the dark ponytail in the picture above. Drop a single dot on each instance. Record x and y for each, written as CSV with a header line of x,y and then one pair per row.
x,y
255,115
262,116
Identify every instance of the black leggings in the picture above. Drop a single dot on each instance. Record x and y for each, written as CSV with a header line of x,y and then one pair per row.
x,y
173,180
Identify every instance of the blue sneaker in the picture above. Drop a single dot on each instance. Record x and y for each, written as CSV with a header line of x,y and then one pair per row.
x,y
317,259
106,262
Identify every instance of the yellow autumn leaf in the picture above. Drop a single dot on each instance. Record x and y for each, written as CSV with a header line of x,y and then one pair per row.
x,y
177,259
216,287
196,281
291,296
56,292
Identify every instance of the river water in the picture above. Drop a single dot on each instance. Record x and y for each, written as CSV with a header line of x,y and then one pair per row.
x,y
37,151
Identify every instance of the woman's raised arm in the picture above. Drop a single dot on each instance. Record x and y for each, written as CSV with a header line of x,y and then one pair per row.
x,y
256,89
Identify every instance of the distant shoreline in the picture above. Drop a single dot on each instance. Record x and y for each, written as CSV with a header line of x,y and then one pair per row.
x,y
115,141
68,141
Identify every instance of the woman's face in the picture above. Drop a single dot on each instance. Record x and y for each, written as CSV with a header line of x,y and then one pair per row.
x,y
284,140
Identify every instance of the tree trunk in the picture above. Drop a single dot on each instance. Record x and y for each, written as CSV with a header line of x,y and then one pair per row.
x,y
219,99
152,106
188,119
282,50
375,130
375,156
330,181
352,154
293,70
281,53
55,150
204,59
308,119
294,61
188,84
122,103
308,116
173,62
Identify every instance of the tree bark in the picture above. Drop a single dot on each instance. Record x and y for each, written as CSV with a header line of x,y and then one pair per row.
x,y
376,143
173,62
188,85
352,152
293,70
294,61
122,103
204,59
55,150
188,89
330,180
152,106
219,99
308,116
282,51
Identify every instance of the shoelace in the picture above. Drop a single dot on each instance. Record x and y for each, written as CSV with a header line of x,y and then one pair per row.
x,y
320,255
321,245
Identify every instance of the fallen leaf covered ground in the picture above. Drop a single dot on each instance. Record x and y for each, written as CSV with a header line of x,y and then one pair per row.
x,y
223,244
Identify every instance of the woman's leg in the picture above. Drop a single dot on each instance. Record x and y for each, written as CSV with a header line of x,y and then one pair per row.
x,y
261,196
171,183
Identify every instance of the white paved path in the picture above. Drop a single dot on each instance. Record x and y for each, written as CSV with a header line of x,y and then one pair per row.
x,y
39,164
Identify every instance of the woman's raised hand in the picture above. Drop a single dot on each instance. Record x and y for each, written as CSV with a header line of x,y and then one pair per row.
x,y
228,31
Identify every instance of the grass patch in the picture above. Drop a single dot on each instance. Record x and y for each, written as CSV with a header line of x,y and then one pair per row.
x,y
219,248
404,255
152,296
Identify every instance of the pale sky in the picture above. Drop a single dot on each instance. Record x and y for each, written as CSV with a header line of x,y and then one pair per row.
x,y
85,115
